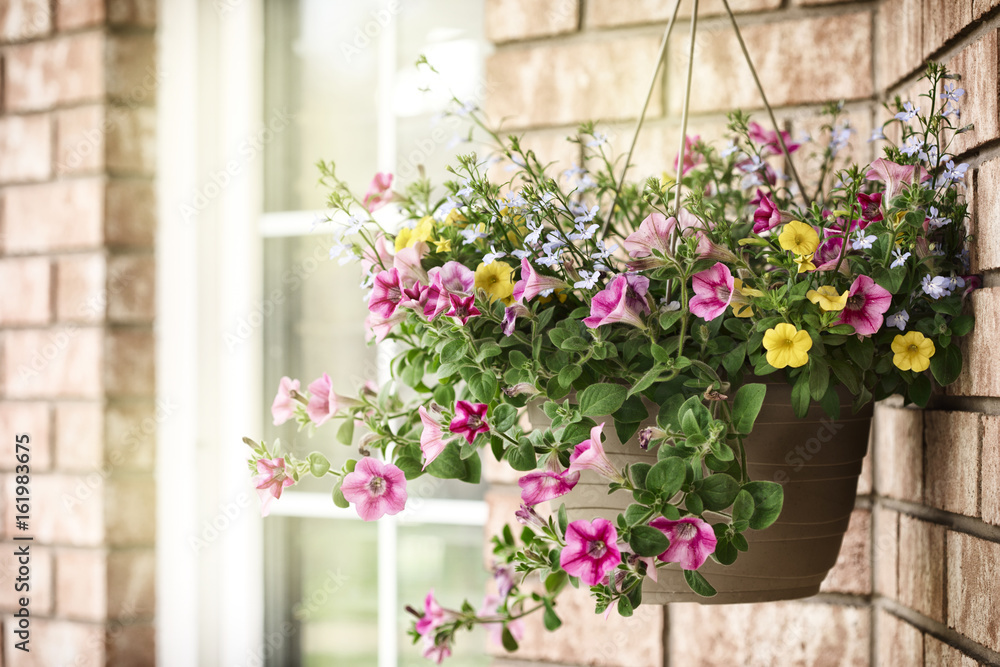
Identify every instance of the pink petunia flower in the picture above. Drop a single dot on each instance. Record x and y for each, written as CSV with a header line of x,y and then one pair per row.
x,y
272,478
692,541
379,192
767,216
452,278
713,289
589,455
591,550
436,649
324,402
691,158
407,263
463,308
540,486
379,327
623,300
828,253
510,315
867,303
378,259
375,488
489,608
895,176
387,293
769,138
871,207
470,420
652,238
434,615
283,407
533,283
431,442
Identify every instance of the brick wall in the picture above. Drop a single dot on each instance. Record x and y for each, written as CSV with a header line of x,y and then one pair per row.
x,y
77,106
918,579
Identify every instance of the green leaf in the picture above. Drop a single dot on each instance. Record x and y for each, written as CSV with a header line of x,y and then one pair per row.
x,y
624,607
483,386
697,583
733,360
319,465
725,552
920,391
800,396
504,417
508,641
563,518
632,411
718,492
647,380
345,434
625,430
635,513
550,618
522,457
659,354
449,463
946,365
847,374
410,466
667,476
488,350
819,377
694,503
668,319
648,541
743,506
517,359
746,406
861,351
453,352
962,325
338,498
638,473
602,398
575,344
569,373
768,498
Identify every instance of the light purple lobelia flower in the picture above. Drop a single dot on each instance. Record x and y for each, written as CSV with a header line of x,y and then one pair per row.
x,y
589,455
271,479
713,290
867,302
623,300
470,420
692,540
591,550
283,407
375,488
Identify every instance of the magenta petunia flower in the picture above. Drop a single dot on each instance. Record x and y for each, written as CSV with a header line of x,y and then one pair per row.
x,y
375,488
540,486
867,303
272,478
431,442
767,216
623,300
463,308
452,278
470,420
653,236
691,158
533,283
324,402
895,176
828,253
769,138
589,455
434,615
692,541
387,293
379,192
591,550
871,207
283,407
713,289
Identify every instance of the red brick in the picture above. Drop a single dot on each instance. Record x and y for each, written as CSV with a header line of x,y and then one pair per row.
x,y
508,20
852,573
81,579
899,643
54,216
899,40
138,13
67,509
24,19
897,445
34,419
131,290
559,84
943,19
980,7
977,64
921,566
117,137
58,642
131,140
25,297
40,579
987,217
73,14
991,469
131,73
25,148
129,363
81,294
939,654
885,552
608,13
131,213
61,362
980,376
790,634
131,436
79,436
80,139
973,595
799,62
951,480
60,71
131,510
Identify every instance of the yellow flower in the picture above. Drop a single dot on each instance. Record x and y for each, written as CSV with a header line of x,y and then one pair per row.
x,y
496,279
827,298
799,237
422,232
740,302
444,245
912,352
454,216
787,346
666,181
805,263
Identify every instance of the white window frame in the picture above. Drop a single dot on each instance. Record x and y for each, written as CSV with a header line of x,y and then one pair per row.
x,y
210,588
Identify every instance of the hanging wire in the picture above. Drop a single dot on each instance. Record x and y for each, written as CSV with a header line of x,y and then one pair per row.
x,y
684,111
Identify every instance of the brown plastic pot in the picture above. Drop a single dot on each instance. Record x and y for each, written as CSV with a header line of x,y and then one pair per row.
x,y
816,460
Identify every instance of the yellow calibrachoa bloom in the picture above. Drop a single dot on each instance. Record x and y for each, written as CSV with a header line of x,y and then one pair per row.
x,y
912,351
497,280
443,245
805,263
666,181
799,237
740,302
787,346
422,232
827,298
454,216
